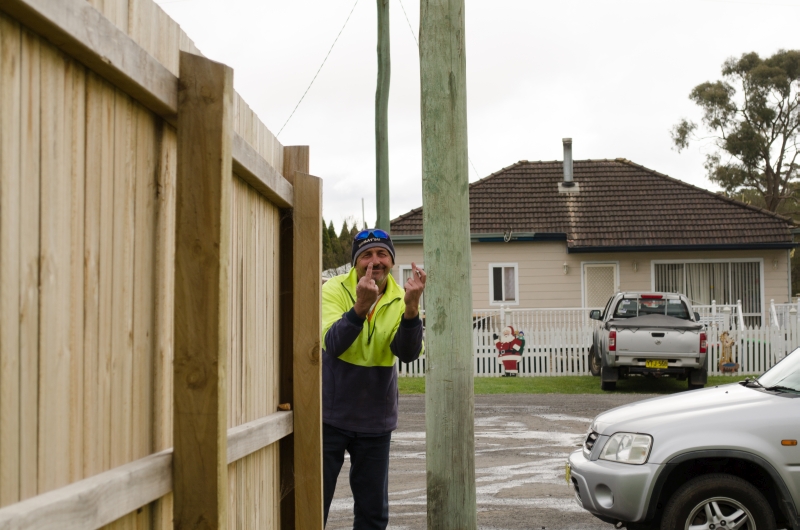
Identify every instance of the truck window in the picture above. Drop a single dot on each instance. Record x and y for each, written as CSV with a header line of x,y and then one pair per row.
x,y
626,308
676,308
632,307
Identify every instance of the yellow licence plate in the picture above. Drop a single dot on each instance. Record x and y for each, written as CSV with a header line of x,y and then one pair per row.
x,y
656,363
569,474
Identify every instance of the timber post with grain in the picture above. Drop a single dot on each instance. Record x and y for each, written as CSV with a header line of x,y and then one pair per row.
x,y
138,228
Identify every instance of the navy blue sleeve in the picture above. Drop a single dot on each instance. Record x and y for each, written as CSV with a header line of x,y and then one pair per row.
x,y
407,343
343,333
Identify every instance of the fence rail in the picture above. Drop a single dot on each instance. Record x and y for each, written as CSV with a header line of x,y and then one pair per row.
x,y
103,498
557,341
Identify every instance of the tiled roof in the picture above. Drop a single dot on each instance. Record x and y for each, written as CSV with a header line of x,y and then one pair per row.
x,y
620,204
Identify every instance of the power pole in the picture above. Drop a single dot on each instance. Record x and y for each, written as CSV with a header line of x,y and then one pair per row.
x,y
449,403
382,118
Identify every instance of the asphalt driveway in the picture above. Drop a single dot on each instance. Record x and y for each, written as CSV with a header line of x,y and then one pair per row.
x,y
521,444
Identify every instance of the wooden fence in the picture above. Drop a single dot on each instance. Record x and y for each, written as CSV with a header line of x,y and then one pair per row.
x,y
148,283
557,342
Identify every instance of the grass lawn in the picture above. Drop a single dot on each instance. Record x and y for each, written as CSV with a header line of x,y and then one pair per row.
x,y
575,384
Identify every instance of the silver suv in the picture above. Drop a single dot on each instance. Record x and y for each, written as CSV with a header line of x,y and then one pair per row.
x,y
717,458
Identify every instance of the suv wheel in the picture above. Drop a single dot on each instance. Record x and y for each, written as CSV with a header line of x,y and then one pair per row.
x,y
608,385
594,362
718,501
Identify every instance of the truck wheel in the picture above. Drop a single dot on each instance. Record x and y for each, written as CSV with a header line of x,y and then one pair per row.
x,y
697,378
718,501
608,385
594,362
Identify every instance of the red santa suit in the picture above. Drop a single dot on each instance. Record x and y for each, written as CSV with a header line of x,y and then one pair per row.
x,y
510,351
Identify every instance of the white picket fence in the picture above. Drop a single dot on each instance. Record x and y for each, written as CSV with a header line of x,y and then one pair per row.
x,y
557,342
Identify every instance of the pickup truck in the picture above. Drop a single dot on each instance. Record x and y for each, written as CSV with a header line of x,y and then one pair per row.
x,y
654,334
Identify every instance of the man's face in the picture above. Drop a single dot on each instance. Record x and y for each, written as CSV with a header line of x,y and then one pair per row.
x,y
381,264
507,334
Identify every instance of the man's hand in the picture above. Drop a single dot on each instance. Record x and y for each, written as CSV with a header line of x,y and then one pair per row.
x,y
367,292
414,288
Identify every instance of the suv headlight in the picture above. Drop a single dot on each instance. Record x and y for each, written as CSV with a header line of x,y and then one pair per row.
x,y
627,448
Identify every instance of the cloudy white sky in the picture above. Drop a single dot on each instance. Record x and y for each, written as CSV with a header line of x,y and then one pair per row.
x,y
612,74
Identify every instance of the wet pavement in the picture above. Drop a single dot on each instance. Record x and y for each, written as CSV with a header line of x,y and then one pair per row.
x,y
521,445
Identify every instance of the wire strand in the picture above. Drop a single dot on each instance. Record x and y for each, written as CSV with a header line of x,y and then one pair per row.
x,y
409,23
414,35
319,69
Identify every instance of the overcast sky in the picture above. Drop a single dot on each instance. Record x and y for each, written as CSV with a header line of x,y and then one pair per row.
x,y
612,74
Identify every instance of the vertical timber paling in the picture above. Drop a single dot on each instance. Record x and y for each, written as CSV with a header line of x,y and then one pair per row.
x,y
382,118
449,404
203,195
301,369
295,159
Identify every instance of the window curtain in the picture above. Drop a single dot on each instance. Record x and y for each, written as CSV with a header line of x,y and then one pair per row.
x,y
509,286
706,282
726,283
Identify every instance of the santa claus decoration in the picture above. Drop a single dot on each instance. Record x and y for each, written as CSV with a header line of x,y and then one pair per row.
x,y
510,346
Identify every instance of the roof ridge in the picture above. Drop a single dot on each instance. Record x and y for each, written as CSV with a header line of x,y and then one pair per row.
x,y
471,184
724,198
407,214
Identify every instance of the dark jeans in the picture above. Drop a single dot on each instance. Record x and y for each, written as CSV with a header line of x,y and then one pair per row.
x,y
369,474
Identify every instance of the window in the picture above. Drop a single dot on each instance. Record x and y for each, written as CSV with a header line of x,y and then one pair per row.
x,y
405,274
724,282
636,307
503,283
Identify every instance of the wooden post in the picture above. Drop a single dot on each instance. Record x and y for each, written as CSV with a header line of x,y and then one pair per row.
x,y
382,118
295,159
449,405
202,255
307,329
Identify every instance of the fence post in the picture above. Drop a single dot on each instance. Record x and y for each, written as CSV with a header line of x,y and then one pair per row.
x,y
740,316
798,309
307,327
773,314
202,262
295,159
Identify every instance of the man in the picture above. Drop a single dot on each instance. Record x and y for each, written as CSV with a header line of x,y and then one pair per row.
x,y
367,321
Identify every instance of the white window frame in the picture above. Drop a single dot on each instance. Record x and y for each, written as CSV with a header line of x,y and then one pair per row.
x,y
583,277
760,261
492,266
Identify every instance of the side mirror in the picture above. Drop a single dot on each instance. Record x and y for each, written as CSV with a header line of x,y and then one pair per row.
x,y
696,316
594,314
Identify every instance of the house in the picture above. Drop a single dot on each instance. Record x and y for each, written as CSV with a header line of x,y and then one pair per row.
x,y
539,242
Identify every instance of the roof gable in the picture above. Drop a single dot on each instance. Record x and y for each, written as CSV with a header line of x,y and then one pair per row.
x,y
620,204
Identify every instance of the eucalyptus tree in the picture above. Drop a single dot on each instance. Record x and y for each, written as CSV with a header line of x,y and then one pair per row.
x,y
752,116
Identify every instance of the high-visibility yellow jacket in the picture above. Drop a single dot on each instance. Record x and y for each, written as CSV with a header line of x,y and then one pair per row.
x,y
359,376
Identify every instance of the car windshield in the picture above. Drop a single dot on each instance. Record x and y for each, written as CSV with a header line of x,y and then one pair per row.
x,y
785,375
636,307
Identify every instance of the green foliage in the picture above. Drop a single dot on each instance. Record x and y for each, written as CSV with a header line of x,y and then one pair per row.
x,y
789,208
345,244
337,249
753,117
328,260
569,384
